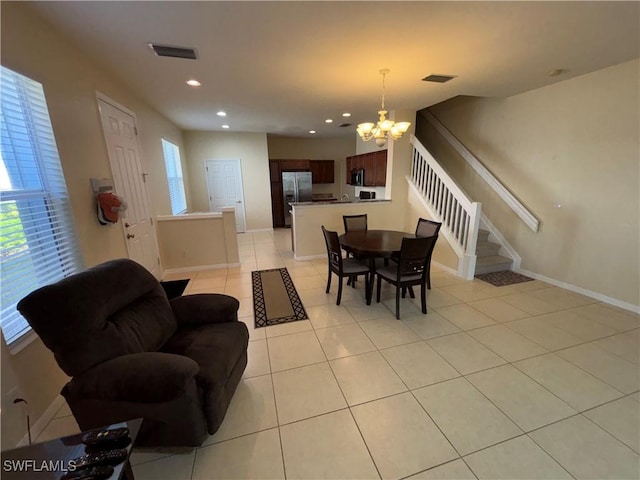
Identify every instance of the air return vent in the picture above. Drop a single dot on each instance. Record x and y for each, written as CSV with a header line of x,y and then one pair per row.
x,y
438,78
343,125
174,52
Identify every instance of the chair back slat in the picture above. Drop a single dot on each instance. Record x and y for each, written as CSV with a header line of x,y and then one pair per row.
x,y
427,228
355,223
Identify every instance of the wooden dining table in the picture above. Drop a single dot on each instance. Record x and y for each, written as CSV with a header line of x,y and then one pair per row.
x,y
373,244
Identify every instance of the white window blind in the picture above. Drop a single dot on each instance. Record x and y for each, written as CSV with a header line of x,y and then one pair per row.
x,y
38,244
174,177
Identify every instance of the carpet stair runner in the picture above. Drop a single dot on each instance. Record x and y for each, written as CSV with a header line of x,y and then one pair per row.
x,y
488,259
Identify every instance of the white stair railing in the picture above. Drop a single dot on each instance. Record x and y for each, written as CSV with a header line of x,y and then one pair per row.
x,y
447,203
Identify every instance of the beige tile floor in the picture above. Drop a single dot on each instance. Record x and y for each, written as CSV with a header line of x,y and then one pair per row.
x,y
526,381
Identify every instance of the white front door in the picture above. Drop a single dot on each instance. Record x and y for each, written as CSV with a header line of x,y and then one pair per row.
x,y
224,182
120,135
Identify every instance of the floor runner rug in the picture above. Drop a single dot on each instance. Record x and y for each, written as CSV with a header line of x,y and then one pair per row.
x,y
275,299
506,277
174,288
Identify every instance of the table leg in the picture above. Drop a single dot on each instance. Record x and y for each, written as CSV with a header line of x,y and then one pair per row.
x,y
372,274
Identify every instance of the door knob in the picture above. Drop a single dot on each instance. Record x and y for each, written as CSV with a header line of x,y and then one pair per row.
x,y
130,235
126,225
239,201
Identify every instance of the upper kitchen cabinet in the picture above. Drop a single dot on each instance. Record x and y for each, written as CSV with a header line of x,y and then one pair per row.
x,y
322,171
374,165
294,165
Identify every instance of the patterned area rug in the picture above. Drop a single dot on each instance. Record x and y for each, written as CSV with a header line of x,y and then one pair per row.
x,y
506,277
275,299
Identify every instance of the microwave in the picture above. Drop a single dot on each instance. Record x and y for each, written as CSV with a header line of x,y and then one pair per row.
x,y
357,177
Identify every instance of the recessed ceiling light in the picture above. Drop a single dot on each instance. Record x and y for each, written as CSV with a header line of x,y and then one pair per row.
x,y
312,131
193,83
328,120
346,114
221,113
225,126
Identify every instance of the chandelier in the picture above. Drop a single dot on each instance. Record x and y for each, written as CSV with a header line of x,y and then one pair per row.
x,y
384,129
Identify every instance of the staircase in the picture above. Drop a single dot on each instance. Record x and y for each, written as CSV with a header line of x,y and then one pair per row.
x,y
488,259
446,202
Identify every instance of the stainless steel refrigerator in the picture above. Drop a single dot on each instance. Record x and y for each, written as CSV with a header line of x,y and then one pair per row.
x,y
296,187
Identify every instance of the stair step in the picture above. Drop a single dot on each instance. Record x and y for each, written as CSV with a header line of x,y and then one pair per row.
x,y
492,263
483,235
487,249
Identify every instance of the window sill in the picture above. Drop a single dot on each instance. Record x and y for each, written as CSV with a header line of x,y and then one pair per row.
x,y
21,343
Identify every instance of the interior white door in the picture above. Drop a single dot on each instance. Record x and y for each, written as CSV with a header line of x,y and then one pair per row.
x,y
120,135
224,182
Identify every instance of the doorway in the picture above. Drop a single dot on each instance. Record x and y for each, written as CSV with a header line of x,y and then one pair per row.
x,y
121,138
224,184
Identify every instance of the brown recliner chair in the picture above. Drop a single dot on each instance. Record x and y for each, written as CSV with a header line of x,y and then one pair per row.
x,y
132,353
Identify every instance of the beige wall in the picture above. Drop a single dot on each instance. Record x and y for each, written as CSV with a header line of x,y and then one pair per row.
x,y
332,148
32,48
575,144
251,149
198,240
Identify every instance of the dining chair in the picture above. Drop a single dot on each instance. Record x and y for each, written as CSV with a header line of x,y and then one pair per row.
x,y
428,228
355,223
425,228
410,270
343,267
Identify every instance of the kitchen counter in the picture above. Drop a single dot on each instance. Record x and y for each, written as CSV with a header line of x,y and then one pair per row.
x,y
308,217
319,203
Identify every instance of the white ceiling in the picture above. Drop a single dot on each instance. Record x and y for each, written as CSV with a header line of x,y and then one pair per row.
x,y
284,67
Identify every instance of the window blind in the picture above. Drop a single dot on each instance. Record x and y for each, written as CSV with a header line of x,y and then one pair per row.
x,y
174,177
38,244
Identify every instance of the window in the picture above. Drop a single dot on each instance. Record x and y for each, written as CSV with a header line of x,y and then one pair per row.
x,y
38,244
174,177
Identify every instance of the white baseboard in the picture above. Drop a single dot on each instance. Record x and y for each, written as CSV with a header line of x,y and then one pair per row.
x,y
582,291
309,257
450,270
43,421
200,267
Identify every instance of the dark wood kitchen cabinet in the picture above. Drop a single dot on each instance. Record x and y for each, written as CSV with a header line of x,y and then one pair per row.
x,y
277,204
274,171
294,165
322,171
374,165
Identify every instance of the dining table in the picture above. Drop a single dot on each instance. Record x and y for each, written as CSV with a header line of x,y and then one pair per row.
x,y
373,244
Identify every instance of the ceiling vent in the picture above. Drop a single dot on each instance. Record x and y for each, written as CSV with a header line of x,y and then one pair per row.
x,y
174,52
344,125
438,78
